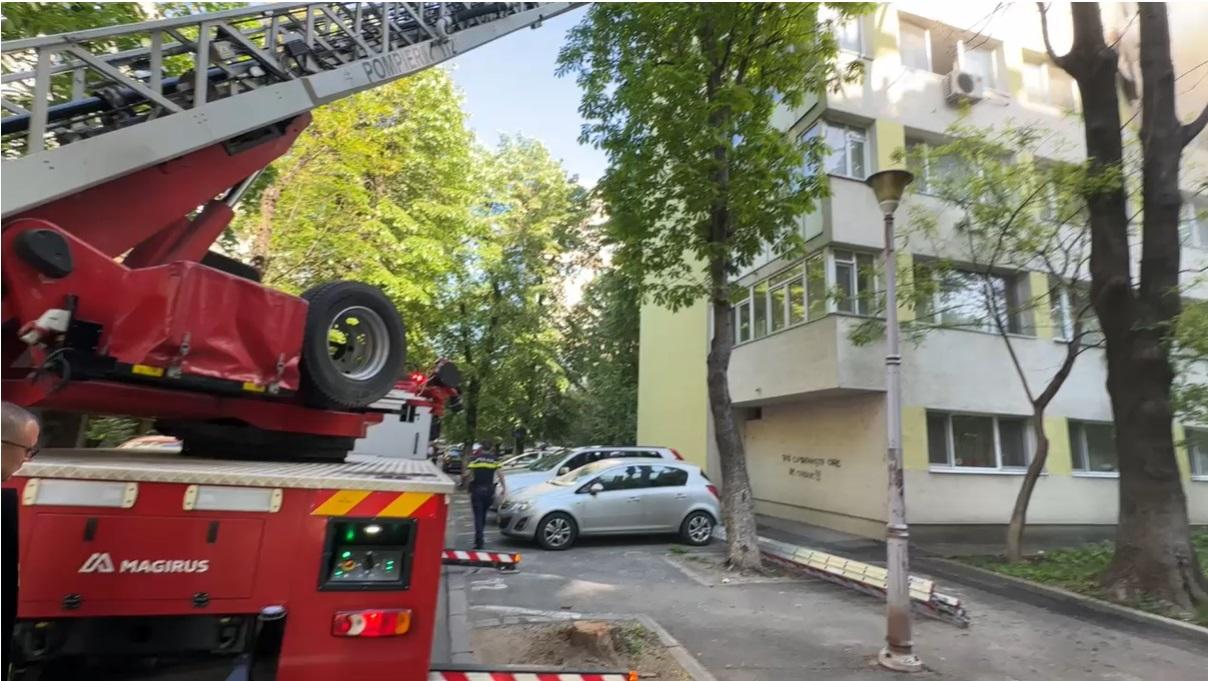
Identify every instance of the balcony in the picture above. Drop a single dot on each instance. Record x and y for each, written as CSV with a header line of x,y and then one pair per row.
x,y
959,370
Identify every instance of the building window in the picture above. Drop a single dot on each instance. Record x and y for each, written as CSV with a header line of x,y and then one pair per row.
x,y
1197,452
1093,446
850,35
759,297
980,61
1068,302
1193,222
742,316
786,298
815,286
1045,83
847,145
932,170
975,441
968,300
914,44
856,283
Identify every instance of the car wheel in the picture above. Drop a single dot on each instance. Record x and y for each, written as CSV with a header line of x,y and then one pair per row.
x,y
354,346
697,528
556,532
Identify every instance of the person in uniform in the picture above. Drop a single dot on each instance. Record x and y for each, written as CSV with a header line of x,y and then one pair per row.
x,y
480,472
20,433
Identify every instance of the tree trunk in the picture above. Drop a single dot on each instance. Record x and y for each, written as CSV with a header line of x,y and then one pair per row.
x,y
1019,515
470,400
1153,556
737,505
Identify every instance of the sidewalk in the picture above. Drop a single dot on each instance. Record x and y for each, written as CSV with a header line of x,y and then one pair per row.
x,y
928,559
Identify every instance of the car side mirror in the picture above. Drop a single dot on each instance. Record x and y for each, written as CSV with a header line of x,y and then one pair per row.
x,y
595,488
564,470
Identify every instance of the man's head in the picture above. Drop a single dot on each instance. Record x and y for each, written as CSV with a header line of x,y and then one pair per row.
x,y
20,435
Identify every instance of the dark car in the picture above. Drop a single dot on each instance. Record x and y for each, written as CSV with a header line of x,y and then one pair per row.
x,y
451,461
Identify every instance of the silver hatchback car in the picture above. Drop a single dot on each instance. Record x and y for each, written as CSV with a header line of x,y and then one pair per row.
x,y
615,496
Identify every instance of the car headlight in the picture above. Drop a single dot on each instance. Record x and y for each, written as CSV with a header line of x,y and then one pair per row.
x,y
519,507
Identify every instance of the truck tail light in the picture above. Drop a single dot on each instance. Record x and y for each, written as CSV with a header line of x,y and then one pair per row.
x,y
678,456
371,623
713,490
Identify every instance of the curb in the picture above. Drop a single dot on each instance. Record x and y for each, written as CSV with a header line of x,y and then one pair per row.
x,y
997,583
461,650
519,615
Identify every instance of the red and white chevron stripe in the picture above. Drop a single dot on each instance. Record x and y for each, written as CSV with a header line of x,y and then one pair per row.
x,y
481,556
528,676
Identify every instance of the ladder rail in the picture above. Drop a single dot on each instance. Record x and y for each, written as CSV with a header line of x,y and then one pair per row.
x,y
251,67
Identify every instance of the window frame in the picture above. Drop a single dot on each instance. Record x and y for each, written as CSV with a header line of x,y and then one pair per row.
x,y
858,296
858,22
933,313
1198,473
1196,233
999,468
1063,325
849,131
1079,454
930,68
962,49
1046,84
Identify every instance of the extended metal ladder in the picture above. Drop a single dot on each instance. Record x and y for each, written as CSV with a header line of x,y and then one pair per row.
x,y
85,107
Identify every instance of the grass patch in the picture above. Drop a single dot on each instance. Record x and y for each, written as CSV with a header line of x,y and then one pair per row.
x,y
677,550
1078,570
631,639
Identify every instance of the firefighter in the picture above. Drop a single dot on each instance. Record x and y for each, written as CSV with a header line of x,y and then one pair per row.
x,y
480,471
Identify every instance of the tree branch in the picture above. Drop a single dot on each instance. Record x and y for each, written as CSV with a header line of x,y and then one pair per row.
x,y
1193,128
1044,31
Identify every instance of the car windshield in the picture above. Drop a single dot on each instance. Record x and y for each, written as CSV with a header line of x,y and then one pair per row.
x,y
583,473
548,460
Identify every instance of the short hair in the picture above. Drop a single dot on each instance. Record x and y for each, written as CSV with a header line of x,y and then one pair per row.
x,y
14,420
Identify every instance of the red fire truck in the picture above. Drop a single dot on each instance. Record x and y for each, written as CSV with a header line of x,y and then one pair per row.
x,y
264,550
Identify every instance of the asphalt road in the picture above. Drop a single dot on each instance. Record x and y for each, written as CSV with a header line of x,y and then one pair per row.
x,y
771,630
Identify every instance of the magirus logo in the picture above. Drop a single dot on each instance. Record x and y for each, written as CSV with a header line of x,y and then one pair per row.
x,y
103,563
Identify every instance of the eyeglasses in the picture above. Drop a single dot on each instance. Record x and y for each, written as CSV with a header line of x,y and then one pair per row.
x,y
30,452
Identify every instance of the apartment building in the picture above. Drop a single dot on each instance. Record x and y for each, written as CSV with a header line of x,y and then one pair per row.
x,y
812,403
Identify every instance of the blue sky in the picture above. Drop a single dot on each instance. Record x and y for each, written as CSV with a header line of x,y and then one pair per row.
x,y
510,87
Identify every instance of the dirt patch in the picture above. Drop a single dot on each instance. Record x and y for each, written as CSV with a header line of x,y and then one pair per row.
x,y
709,569
582,644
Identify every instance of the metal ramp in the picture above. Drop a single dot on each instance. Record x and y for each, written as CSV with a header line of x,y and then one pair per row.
x,y
83,108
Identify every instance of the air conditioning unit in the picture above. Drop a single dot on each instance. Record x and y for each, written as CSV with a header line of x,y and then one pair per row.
x,y
963,86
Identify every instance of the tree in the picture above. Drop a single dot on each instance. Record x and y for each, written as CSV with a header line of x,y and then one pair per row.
x,y
1010,211
501,304
377,189
1153,556
680,97
600,357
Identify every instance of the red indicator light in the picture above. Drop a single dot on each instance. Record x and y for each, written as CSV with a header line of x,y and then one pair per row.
x,y
371,623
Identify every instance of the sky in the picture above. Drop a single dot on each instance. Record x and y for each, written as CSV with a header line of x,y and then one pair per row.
x,y
510,87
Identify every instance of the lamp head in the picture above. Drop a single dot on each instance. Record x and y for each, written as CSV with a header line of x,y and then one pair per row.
x,y
888,186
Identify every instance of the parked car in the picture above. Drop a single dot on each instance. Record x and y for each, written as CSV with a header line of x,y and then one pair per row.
x,y
451,461
523,460
615,496
562,461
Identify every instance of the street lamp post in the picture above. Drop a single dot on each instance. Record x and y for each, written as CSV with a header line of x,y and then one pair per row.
x,y
898,653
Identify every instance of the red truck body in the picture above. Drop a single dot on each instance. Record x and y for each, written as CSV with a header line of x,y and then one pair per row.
x,y
133,555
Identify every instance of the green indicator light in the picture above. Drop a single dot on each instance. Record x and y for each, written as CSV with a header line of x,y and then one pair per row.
x,y
346,554
339,573
350,534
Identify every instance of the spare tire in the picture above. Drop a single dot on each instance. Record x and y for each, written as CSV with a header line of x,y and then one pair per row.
x,y
354,346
